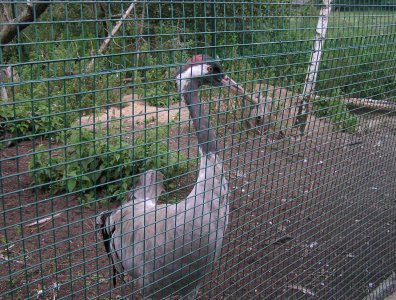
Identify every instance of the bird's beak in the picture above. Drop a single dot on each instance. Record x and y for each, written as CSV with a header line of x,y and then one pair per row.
x,y
235,87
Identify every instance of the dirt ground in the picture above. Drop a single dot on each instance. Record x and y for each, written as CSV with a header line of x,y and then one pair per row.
x,y
310,218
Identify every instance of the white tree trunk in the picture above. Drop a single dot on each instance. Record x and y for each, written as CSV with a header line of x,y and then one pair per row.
x,y
3,90
313,67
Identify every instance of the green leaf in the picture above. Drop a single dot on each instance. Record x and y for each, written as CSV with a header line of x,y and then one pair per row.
x,y
71,184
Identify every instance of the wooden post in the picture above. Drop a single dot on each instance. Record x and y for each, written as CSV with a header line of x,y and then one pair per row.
x,y
310,81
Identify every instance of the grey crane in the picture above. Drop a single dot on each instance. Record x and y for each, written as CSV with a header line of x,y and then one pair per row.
x,y
169,248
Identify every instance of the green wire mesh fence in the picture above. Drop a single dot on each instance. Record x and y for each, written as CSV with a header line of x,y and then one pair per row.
x,y
198,149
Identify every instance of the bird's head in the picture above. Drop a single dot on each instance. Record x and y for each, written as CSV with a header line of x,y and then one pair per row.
x,y
204,70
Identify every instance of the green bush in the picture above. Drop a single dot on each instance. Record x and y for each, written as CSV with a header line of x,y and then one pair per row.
x,y
64,86
358,67
92,161
337,112
30,119
59,97
156,69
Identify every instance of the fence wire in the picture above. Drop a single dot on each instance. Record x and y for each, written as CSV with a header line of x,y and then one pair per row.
x,y
198,149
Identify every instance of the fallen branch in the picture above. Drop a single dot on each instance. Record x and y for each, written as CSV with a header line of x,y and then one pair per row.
x,y
5,255
106,42
282,240
43,220
370,104
6,258
354,143
301,289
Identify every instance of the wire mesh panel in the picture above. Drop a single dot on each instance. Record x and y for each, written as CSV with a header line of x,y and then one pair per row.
x,y
198,149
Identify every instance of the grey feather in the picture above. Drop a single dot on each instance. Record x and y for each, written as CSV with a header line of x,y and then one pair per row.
x,y
170,248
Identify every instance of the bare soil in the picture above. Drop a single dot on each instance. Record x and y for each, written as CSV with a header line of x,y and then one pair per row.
x,y
311,217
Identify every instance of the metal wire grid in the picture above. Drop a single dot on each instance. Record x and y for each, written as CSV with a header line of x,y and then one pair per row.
x,y
311,216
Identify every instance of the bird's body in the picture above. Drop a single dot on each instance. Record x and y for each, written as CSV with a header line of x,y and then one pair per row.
x,y
170,248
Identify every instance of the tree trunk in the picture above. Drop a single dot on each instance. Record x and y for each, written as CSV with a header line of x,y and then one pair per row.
x,y
3,90
4,14
106,42
310,81
30,14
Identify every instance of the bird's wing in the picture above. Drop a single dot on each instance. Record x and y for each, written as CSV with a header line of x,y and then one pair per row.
x,y
149,187
105,225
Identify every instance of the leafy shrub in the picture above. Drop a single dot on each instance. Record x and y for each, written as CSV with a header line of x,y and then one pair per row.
x,y
356,66
66,85
93,161
29,119
156,68
56,100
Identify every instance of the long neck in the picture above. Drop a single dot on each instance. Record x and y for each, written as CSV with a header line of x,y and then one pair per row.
x,y
205,133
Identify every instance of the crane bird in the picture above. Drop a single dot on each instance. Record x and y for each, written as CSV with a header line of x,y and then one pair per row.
x,y
168,248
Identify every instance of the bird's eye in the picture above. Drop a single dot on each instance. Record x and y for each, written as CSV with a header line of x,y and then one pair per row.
x,y
210,69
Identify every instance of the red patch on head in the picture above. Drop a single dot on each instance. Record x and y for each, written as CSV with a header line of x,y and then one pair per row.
x,y
196,58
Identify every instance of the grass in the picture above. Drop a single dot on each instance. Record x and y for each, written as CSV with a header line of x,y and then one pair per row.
x,y
358,55
92,161
357,60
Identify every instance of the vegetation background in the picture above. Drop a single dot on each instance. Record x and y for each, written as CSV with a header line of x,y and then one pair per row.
x,y
52,83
